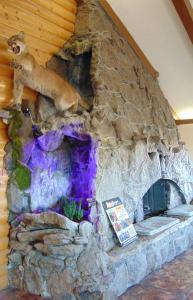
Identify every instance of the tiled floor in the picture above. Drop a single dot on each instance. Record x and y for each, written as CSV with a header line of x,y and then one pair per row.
x,y
172,282
13,294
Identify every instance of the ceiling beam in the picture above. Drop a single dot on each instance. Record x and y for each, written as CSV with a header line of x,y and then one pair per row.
x,y
185,12
124,32
184,122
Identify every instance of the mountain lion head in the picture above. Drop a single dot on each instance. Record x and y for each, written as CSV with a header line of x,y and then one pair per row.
x,y
16,43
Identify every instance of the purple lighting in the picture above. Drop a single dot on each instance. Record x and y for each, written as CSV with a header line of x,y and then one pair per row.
x,y
65,151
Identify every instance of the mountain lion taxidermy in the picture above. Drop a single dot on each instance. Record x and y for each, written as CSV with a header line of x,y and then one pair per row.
x,y
27,72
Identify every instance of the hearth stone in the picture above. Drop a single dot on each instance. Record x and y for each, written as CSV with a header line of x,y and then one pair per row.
x,y
155,225
148,254
183,210
93,272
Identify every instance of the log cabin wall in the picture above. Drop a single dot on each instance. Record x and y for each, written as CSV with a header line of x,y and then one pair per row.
x,y
47,25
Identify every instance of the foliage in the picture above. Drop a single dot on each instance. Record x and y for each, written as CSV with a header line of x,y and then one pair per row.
x,y
21,173
72,210
16,123
22,177
17,150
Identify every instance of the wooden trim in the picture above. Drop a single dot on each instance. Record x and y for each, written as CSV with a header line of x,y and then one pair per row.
x,y
123,30
185,12
184,122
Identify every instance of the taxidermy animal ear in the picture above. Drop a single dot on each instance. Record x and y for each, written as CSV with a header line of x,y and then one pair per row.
x,y
21,35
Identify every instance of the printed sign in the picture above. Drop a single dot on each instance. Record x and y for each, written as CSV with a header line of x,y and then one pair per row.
x,y
119,219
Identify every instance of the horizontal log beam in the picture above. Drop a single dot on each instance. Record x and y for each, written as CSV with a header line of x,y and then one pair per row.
x,y
7,31
184,122
124,32
34,31
6,71
3,260
4,240
69,5
4,229
57,9
38,17
3,281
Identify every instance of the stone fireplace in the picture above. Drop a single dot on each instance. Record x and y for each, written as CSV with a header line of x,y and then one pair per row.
x,y
127,143
161,196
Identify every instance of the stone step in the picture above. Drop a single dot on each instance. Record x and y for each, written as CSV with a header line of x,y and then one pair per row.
x,y
155,225
184,210
147,254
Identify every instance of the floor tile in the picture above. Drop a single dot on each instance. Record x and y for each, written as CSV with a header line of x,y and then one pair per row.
x,y
173,282
13,294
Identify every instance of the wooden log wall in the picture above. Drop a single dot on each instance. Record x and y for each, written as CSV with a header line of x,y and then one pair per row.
x,y
48,24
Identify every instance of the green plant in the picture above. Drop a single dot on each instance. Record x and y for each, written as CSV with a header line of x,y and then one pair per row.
x,y
72,210
17,150
20,172
16,123
22,176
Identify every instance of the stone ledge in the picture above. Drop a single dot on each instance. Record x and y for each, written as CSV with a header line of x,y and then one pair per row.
x,y
148,254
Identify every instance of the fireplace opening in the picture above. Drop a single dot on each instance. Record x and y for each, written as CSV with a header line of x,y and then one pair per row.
x,y
162,195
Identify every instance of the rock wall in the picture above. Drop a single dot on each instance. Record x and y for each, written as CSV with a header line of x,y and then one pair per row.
x,y
130,116
55,257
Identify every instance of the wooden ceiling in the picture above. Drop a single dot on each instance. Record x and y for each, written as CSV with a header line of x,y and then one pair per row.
x,y
47,24
185,12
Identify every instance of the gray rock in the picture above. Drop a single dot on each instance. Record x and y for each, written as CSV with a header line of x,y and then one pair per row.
x,y
61,285
90,296
39,235
50,218
15,274
34,281
58,239
48,265
23,247
56,242
85,229
64,251
94,276
17,202
81,240
15,258
46,108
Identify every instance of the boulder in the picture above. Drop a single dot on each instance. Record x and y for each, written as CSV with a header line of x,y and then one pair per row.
x,y
85,229
64,251
39,235
52,219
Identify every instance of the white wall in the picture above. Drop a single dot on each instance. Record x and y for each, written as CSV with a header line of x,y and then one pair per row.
x,y
157,29
186,133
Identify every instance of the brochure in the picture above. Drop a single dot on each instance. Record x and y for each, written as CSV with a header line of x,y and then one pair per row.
x,y
119,219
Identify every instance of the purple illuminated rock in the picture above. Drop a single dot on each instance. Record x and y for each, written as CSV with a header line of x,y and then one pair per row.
x,y
62,163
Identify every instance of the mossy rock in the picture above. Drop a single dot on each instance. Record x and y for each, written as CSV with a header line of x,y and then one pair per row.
x,y
22,177
16,123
